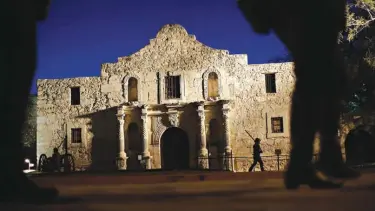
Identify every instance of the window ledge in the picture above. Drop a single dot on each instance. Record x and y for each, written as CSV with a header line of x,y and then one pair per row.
x,y
175,100
76,144
213,99
134,103
277,135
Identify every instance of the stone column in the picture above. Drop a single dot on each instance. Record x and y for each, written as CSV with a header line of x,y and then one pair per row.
x,y
203,162
228,159
121,157
146,152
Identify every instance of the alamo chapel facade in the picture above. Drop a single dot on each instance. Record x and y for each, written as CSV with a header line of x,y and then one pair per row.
x,y
174,104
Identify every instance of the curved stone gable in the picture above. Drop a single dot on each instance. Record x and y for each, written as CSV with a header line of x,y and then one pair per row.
x,y
172,31
172,48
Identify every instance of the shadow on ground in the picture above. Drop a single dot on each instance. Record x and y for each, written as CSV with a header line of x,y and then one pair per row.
x,y
173,195
359,188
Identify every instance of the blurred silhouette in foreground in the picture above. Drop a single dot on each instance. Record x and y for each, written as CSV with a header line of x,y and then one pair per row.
x,y
256,156
18,64
310,30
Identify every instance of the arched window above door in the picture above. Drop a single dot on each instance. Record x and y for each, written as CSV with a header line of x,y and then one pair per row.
x,y
132,88
212,87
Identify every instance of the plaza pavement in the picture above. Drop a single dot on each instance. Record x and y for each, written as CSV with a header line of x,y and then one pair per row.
x,y
199,191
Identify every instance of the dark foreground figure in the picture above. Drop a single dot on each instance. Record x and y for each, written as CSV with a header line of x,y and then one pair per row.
x,y
18,63
256,156
310,30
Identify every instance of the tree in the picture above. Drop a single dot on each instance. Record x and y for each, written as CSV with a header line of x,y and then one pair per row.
x,y
360,15
29,128
357,43
358,46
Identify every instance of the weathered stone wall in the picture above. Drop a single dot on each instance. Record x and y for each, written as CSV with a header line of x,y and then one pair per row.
x,y
253,108
56,117
172,52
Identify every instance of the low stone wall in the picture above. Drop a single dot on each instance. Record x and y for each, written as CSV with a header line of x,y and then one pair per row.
x,y
242,164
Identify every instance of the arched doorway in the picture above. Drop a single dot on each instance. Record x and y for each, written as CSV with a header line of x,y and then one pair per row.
x,y
174,146
359,147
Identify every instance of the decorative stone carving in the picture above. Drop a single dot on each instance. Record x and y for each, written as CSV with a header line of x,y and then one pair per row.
x,y
128,120
121,157
121,163
225,110
146,152
144,118
202,126
174,119
121,119
203,161
120,110
228,157
125,87
158,129
205,82
134,103
144,109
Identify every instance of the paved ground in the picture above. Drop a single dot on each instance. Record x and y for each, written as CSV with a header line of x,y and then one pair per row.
x,y
229,192
151,177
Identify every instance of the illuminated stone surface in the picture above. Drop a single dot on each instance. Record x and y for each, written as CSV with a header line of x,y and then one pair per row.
x,y
242,104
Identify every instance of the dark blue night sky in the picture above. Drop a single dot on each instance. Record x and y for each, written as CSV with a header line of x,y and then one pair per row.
x,y
80,35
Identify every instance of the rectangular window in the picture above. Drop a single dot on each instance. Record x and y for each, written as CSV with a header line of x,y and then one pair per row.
x,y
277,125
76,135
270,83
172,87
75,96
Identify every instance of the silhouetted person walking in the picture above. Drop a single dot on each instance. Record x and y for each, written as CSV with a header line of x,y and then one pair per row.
x,y
18,63
309,29
256,155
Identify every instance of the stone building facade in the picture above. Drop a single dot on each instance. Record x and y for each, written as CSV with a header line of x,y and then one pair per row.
x,y
176,103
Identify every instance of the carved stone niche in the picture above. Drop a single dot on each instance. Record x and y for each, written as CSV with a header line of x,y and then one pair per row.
x,y
126,88
205,84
